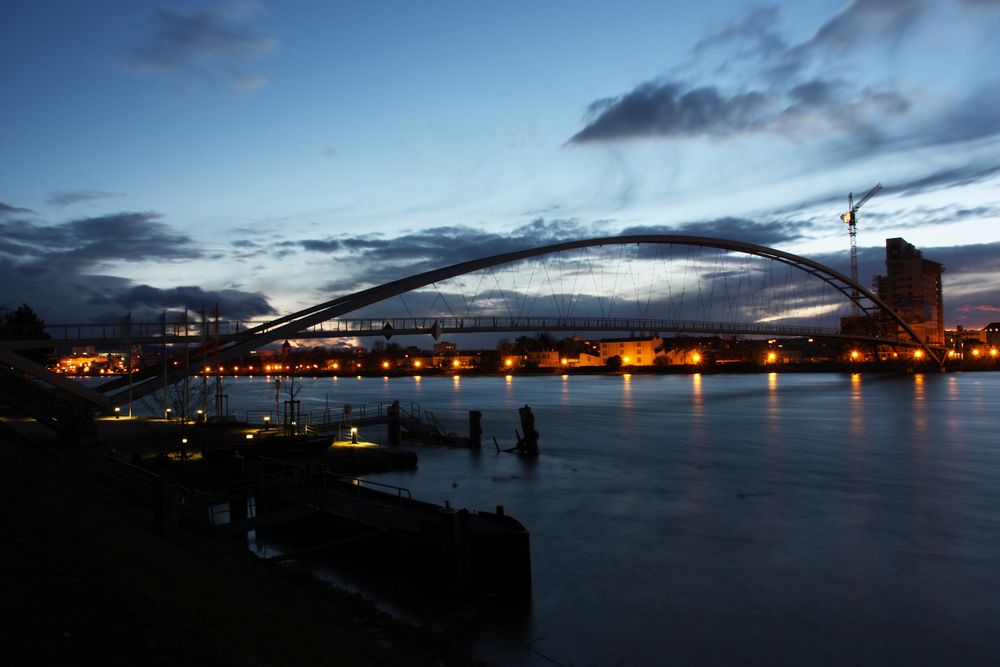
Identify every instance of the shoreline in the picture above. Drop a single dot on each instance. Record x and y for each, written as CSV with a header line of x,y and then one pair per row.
x,y
92,582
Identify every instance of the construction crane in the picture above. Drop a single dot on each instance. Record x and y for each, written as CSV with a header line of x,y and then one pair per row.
x,y
852,224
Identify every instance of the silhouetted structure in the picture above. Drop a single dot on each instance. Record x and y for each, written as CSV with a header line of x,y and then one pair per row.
x,y
912,287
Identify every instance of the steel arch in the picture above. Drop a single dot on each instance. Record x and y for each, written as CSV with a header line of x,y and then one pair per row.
x,y
288,325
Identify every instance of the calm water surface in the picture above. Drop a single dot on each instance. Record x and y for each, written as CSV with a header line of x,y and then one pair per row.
x,y
727,519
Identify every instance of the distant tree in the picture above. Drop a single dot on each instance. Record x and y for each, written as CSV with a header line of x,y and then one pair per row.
x,y
614,363
24,324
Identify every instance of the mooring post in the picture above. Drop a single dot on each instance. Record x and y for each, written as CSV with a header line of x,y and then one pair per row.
x,y
394,432
530,434
475,430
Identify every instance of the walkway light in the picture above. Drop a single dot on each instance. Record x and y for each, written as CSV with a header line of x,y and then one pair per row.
x,y
249,436
169,413
118,412
267,421
354,435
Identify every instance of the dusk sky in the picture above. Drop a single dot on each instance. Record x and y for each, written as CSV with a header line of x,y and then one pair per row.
x,y
268,156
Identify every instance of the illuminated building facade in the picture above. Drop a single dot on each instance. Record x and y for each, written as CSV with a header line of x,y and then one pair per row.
x,y
912,287
991,334
633,351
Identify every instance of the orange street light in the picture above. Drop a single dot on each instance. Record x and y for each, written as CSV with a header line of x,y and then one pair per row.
x,y
696,358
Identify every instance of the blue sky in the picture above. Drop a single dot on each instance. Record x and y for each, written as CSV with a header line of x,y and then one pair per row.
x,y
265,155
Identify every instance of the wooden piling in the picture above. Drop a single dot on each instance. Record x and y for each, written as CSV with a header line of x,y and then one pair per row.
x,y
528,445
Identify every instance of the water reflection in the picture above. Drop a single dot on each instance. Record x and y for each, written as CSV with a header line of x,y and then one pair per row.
x,y
919,407
857,408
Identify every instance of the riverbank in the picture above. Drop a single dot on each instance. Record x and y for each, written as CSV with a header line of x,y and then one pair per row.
x,y
88,582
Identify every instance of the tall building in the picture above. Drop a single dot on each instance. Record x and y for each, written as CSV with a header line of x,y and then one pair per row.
x,y
912,287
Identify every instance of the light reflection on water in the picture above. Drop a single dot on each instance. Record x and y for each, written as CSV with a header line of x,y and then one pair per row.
x,y
729,519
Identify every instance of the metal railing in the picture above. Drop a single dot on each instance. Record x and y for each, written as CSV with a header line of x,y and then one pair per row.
x,y
325,420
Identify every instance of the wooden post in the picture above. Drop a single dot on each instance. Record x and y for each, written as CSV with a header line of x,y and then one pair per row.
x,y
530,434
394,425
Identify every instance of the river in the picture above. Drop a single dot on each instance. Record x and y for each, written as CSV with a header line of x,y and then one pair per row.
x,y
725,519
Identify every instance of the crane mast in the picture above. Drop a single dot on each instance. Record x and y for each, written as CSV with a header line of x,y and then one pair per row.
x,y
851,219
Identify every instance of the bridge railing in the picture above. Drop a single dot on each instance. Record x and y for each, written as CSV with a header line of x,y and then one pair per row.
x,y
177,332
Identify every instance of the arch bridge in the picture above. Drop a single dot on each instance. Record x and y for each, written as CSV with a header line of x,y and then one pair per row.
x,y
633,283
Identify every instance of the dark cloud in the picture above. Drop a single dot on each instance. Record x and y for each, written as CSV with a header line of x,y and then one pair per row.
x,y
69,197
671,109
215,45
966,174
57,268
771,233
7,210
120,236
773,96
377,260
316,245
144,301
